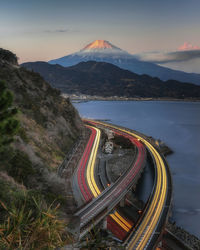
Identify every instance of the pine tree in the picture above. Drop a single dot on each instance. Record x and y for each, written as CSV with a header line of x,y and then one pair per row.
x,y
8,124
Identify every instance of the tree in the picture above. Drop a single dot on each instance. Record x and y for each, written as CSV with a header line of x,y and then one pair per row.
x,y
8,124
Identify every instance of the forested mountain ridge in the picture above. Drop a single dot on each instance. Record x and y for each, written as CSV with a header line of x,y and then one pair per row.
x,y
106,80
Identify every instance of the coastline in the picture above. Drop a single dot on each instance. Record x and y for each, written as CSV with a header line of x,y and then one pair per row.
x,y
87,98
177,126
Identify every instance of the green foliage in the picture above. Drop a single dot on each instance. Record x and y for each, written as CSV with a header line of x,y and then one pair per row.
x,y
20,167
50,197
23,135
8,124
6,156
31,224
95,239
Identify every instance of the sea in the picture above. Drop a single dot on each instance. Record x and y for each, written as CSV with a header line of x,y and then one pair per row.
x,y
178,125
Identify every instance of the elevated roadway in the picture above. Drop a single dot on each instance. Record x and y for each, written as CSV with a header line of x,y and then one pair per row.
x,y
87,159
115,220
84,178
105,201
146,233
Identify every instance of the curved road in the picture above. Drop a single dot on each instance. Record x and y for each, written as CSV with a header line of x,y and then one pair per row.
x,y
89,189
115,220
99,207
147,232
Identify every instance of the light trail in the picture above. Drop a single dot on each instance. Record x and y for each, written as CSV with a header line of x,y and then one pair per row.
x,y
147,228
91,164
92,148
81,168
94,188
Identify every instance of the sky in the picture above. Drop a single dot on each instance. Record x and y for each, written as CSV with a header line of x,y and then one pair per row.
x,y
48,29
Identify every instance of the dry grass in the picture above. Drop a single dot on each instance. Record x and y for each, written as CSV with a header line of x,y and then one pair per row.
x,y
36,227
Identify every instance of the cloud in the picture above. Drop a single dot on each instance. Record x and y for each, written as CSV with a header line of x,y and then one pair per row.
x,y
188,46
170,57
58,31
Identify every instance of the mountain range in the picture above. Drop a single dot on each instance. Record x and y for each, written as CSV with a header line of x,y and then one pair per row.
x,y
104,51
107,80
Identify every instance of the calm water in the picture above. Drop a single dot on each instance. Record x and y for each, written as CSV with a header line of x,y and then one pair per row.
x,y
178,125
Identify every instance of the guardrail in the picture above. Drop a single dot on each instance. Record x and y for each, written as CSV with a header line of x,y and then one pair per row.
x,y
69,157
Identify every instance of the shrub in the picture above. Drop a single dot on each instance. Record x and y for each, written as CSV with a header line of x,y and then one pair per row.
x,y
8,124
31,224
21,168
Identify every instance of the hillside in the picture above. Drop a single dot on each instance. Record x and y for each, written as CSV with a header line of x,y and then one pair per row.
x,y
43,109
104,51
49,126
104,79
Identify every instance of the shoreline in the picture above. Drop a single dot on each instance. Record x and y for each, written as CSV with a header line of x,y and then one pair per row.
x,y
174,235
83,98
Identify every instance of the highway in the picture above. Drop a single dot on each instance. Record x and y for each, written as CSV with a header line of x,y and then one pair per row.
x,y
88,186
99,207
85,192
117,222
86,165
146,233
121,225
91,166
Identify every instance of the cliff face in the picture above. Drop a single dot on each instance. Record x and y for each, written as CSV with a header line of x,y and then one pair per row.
x,y
50,125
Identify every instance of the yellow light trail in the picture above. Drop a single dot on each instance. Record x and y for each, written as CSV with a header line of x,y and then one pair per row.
x,y
123,220
119,222
153,214
91,163
156,215
92,183
153,211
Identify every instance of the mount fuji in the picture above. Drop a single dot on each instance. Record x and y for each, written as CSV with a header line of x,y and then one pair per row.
x,y
104,51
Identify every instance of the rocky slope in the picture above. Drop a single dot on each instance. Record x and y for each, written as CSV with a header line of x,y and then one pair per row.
x,y
50,125
106,80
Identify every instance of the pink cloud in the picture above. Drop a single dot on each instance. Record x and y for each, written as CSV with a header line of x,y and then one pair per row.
x,y
188,46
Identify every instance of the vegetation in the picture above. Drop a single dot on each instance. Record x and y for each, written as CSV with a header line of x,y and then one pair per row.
x,y
29,218
8,124
21,168
106,80
26,219
98,239
32,196
8,56
30,224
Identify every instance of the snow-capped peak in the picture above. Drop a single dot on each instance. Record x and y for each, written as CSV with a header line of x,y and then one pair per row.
x,y
100,44
101,47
